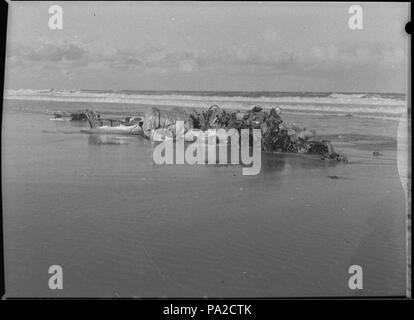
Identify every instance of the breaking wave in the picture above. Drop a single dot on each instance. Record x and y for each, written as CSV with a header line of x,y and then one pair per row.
x,y
375,105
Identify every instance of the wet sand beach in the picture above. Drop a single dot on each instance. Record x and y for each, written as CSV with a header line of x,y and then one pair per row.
x,y
121,226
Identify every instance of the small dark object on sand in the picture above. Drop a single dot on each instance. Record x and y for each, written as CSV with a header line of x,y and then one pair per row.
x,y
337,177
376,153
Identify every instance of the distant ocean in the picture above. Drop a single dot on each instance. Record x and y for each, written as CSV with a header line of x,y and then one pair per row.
x,y
387,106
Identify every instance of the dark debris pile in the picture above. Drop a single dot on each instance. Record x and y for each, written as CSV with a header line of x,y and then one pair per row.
x,y
276,136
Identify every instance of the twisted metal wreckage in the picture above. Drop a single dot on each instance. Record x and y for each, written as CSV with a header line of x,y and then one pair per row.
x,y
276,135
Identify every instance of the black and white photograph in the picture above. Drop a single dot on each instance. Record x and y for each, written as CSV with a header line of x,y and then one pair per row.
x,y
206,150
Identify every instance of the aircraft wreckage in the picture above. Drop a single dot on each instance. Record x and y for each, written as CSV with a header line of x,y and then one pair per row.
x,y
275,134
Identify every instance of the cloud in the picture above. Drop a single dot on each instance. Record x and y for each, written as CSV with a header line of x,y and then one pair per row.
x,y
236,59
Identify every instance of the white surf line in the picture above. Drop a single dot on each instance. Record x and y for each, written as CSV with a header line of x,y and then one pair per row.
x,y
166,277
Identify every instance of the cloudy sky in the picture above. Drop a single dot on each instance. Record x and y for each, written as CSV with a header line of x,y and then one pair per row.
x,y
207,46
